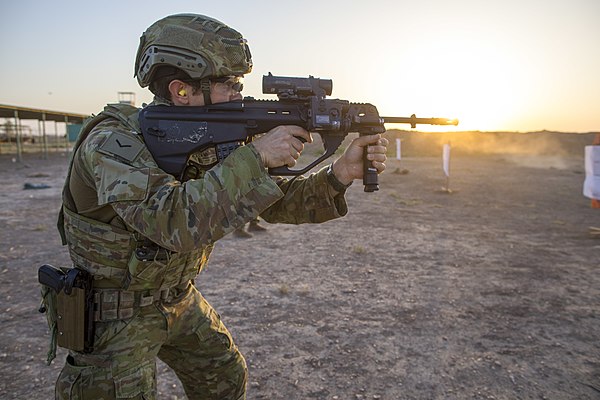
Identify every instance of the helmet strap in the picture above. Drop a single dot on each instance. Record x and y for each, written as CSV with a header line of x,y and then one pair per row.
x,y
205,87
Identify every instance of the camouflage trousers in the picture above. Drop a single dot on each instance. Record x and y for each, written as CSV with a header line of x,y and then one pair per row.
x,y
187,334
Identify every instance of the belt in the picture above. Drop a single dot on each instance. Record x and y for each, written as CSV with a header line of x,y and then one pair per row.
x,y
115,304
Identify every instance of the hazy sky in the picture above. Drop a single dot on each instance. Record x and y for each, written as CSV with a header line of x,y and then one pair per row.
x,y
495,64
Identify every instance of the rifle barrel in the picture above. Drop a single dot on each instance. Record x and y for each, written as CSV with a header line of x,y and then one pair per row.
x,y
413,121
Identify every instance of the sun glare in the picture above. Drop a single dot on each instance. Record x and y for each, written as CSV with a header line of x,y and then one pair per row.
x,y
479,84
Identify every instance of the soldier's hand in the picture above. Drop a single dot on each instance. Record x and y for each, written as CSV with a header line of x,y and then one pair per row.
x,y
350,165
281,145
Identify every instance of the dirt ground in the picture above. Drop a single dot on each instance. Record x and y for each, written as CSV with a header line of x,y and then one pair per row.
x,y
489,292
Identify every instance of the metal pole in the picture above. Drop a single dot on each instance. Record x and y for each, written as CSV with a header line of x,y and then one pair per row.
x,y
6,129
45,141
55,135
18,136
8,133
66,136
39,136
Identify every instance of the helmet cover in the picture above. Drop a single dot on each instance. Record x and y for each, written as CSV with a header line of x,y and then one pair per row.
x,y
201,46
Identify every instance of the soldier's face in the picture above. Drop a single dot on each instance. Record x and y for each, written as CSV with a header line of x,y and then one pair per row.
x,y
228,90
218,94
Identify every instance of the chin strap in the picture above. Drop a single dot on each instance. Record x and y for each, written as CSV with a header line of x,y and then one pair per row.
x,y
205,87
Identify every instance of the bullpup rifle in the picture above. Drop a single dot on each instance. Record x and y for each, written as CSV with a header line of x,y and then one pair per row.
x,y
172,134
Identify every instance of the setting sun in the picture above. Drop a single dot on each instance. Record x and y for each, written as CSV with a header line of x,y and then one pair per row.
x,y
480,84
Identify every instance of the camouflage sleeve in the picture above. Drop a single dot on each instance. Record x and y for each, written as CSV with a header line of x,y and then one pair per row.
x,y
306,200
179,216
183,216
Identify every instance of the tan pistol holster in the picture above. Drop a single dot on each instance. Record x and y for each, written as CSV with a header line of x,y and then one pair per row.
x,y
68,302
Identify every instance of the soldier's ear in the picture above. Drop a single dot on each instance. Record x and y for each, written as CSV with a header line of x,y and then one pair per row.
x,y
178,92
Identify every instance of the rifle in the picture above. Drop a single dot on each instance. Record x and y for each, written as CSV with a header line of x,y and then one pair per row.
x,y
172,134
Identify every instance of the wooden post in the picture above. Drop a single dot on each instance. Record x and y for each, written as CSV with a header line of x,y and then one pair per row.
x,y
446,164
596,142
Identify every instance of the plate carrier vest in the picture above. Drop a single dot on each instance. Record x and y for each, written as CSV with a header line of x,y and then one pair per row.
x,y
118,258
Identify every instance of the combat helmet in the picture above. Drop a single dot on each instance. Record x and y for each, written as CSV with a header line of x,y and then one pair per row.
x,y
200,46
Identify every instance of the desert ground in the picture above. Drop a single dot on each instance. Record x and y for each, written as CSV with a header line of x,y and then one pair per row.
x,y
488,290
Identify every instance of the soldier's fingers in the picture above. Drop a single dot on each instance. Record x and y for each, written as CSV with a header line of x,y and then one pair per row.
x,y
380,166
363,141
299,132
297,145
379,157
376,149
291,162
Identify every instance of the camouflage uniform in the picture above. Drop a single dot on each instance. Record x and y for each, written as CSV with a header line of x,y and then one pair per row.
x,y
145,236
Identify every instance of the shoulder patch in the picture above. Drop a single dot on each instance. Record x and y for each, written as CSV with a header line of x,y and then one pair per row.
x,y
121,145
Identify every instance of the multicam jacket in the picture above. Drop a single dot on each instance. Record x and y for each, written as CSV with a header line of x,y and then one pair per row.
x,y
135,227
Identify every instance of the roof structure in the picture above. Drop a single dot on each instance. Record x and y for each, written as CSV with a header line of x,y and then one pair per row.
x,y
7,111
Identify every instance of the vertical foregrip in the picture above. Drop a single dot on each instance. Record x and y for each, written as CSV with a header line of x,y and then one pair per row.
x,y
370,178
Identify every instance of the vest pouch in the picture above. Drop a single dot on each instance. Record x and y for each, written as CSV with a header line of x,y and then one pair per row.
x,y
146,268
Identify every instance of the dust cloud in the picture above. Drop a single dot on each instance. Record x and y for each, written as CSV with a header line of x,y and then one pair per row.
x,y
534,149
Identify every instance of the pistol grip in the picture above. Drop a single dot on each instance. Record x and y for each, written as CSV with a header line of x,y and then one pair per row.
x,y
52,277
370,177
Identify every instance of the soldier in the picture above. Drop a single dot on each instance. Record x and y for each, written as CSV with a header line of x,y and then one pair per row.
x,y
145,235
253,226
